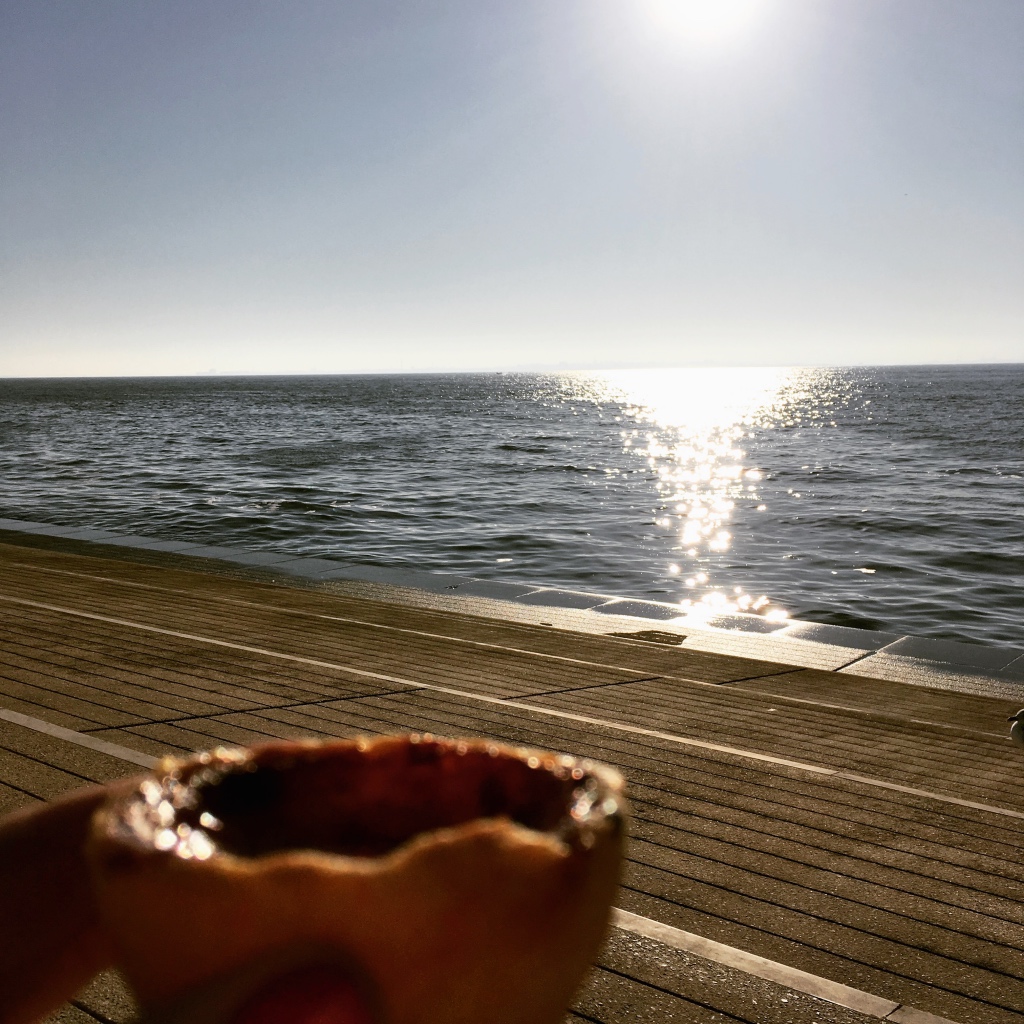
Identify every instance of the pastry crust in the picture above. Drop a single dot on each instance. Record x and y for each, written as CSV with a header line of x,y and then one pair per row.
x,y
468,882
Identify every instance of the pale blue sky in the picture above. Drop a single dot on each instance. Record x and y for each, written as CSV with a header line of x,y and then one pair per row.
x,y
348,187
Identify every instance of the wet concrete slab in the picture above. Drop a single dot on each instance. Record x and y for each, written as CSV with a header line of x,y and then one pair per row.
x,y
839,636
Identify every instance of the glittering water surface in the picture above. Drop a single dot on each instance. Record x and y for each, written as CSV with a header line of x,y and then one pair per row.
x,y
888,498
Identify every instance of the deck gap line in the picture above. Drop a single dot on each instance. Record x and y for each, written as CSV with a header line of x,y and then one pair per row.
x,y
593,686
96,703
85,780
229,710
535,709
94,679
21,789
951,844
531,653
862,711
714,775
213,716
855,857
141,674
853,661
967,737
259,710
834,799
542,654
760,967
865,715
760,675
417,632
80,738
89,1012
691,999
857,959
435,636
362,622
996,917
807,887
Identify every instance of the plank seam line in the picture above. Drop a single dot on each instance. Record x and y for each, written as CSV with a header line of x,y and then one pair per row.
x,y
594,686
90,1012
550,712
262,709
869,713
620,726
384,626
763,675
670,674
853,661
768,970
80,738
636,730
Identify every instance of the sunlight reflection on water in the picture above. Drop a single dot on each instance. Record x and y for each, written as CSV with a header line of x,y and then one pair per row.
x,y
886,498
689,425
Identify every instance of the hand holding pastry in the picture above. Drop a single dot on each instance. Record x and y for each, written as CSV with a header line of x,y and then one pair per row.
x,y
403,880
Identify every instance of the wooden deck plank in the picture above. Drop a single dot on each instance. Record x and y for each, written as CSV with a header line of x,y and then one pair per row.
x,y
514,725
55,755
633,656
96,706
307,729
959,762
945,878
35,778
736,994
116,685
671,688
490,671
766,939
903,700
614,999
520,725
108,1000
892,752
201,734
143,744
122,670
11,799
905,895
43,707
70,1014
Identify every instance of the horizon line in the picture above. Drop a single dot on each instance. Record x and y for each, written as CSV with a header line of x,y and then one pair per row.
x,y
529,368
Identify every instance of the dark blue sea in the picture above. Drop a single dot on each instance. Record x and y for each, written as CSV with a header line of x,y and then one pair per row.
x,y
882,497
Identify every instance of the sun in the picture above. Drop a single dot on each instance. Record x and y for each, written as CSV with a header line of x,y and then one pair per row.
x,y
707,22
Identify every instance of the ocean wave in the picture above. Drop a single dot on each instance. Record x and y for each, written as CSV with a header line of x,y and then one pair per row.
x,y
882,498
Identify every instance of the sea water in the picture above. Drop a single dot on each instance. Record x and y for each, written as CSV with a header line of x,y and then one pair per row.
x,y
887,498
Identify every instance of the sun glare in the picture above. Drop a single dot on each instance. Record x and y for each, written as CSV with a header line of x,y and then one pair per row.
x,y
706,22
691,427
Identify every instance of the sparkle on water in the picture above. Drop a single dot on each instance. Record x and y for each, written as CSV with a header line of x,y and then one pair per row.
x,y
689,425
885,498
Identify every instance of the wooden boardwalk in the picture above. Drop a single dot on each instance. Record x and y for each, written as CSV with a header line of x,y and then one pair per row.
x,y
864,832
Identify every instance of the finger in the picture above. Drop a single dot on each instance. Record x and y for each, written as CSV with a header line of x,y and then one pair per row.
x,y
321,994
51,943
307,985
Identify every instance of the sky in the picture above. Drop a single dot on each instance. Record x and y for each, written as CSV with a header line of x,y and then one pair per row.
x,y
249,186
